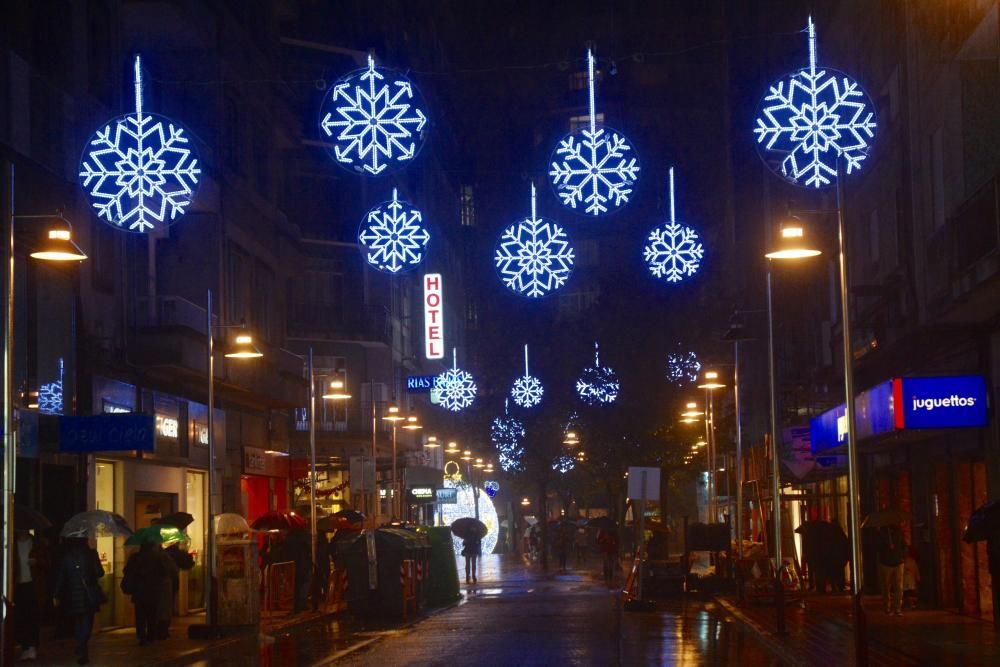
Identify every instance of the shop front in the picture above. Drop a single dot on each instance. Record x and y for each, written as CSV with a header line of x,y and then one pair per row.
x,y
264,483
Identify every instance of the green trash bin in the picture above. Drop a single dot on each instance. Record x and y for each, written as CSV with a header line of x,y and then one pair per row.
x,y
441,577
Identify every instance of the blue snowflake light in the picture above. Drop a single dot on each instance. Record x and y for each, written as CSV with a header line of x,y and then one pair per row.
x,y
598,385
140,171
50,394
393,236
563,463
810,119
682,367
594,168
527,391
534,256
456,388
375,118
673,251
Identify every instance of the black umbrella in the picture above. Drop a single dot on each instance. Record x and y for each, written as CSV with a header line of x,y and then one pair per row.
x,y
26,518
983,522
352,516
178,520
469,528
602,523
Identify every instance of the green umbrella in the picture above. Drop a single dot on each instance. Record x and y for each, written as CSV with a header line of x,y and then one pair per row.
x,y
158,534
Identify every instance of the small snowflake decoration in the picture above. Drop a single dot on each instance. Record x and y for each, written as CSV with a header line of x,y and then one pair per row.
x,y
673,251
594,168
534,256
456,388
682,367
375,118
527,391
563,464
139,170
598,385
393,236
812,118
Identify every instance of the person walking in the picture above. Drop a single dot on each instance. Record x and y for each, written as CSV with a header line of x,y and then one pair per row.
x,y
607,541
298,549
77,591
580,545
151,578
26,574
472,549
561,544
891,555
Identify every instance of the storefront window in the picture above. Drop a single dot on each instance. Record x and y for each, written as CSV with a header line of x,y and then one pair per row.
x,y
196,505
105,500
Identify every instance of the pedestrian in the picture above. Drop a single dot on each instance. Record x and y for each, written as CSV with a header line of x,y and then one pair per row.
x,y
891,554
607,541
76,589
533,544
151,578
472,547
27,569
561,545
580,545
911,578
322,564
298,549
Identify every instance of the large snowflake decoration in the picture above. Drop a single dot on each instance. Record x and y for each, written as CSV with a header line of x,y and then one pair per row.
x,y
673,251
139,170
812,118
683,367
534,256
507,435
594,168
393,236
527,390
375,118
598,385
456,388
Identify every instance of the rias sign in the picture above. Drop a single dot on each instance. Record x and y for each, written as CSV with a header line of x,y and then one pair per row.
x,y
433,317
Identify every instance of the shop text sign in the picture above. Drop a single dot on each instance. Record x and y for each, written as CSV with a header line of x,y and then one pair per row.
x,y
941,402
107,433
418,384
433,317
447,496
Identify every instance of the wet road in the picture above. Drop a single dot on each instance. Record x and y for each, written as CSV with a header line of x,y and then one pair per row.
x,y
517,616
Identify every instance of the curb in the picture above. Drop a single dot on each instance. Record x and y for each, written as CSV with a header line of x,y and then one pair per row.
x,y
766,637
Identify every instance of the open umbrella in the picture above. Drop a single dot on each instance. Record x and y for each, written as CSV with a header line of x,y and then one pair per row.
x,y
352,516
95,523
275,520
157,534
468,528
178,519
602,523
885,518
984,522
330,523
26,518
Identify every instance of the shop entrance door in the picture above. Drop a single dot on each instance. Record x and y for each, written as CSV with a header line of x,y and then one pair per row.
x,y
150,505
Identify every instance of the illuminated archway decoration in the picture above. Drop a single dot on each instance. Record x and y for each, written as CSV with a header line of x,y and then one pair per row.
x,y
598,385
393,236
810,119
507,435
594,169
682,368
375,119
456,388
527,390
534,256
466,506
140,170
673,251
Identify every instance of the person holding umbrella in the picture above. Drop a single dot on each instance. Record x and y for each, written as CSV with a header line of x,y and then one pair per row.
x,y
77,591
471,531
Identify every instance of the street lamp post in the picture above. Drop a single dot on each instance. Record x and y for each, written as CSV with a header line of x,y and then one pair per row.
x,y
59,246
393,416
737,334
710,382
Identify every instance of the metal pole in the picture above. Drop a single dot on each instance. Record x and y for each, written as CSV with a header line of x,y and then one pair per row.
x,y
210,607
10,444
853,484
395,512
779,589
642,532
312,477
739,452
712,462
708,459
371,395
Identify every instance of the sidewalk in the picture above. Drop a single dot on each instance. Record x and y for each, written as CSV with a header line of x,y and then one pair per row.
x,y
119,646
820,631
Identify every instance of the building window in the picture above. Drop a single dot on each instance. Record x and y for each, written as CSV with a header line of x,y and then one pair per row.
x,y
102,260
261,160
468,206
196,506
263,300
471,314
579,80
578,122
237,286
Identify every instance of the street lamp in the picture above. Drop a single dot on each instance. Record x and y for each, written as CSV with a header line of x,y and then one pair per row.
x,y
737,334
710,382
452,448
432,442
394,417
792,244
58,246
336,391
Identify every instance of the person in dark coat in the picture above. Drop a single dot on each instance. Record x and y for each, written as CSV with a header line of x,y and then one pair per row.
x,y
472,549
323,563
298,549
150,578
77,591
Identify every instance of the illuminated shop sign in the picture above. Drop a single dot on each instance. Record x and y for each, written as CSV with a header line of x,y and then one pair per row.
x,y
416,384
167,427
447,496
433,317
422,493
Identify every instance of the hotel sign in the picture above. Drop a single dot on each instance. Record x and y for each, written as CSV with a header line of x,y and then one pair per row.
x,y
433,317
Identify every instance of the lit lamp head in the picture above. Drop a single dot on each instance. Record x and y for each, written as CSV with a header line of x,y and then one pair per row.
x,y
58,246
432,442
244,348
392,414
700,443
412,423
690,412
479,464
711,381
525,502
467,455
571,439
792,242
336,391
452,448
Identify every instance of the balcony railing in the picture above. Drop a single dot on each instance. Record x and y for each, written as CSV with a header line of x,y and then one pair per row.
x,y
171,311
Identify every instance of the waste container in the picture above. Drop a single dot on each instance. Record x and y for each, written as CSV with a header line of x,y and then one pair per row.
x,y
237,575
441,576
393,546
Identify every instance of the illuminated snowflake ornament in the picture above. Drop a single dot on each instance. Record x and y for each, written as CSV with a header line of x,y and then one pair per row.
x,y
375,118
534,256
140,170
527,391
811,119
456,388
507,435
682,367
673,251
563,464
594,169
598,385
50,394
393,237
